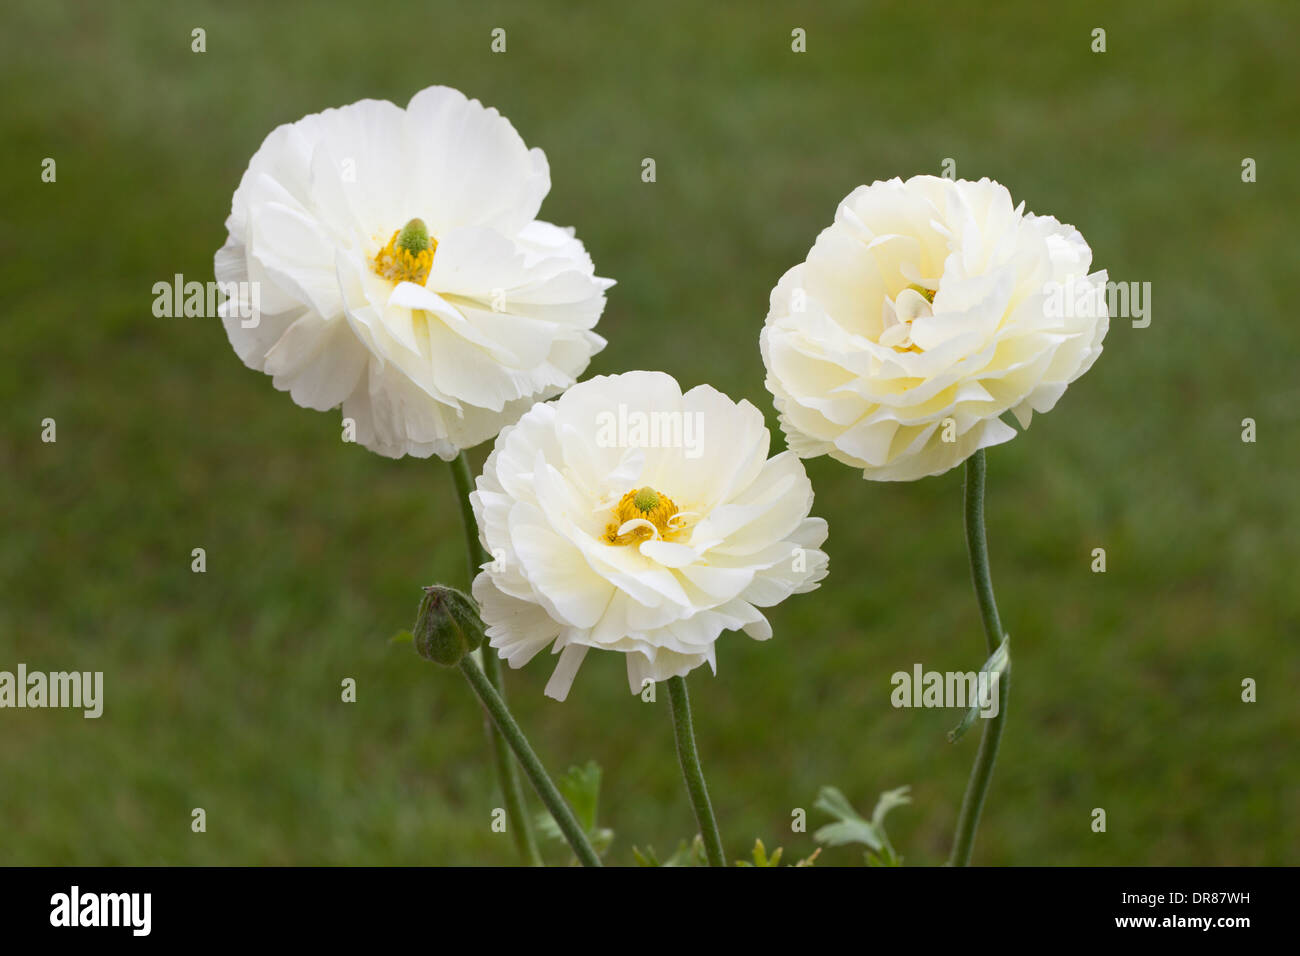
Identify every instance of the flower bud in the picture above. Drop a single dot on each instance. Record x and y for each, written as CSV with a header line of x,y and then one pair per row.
x,y
447,626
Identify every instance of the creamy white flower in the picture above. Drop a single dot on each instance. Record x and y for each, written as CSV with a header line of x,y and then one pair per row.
x,y
928,309
433,339
627,516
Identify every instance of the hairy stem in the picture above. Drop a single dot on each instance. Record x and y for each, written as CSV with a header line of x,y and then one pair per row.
x,y
689,757
516,809
977,787
536,773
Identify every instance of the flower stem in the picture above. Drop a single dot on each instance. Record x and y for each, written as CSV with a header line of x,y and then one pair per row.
x,y
516,810
505,723
982,773
689,757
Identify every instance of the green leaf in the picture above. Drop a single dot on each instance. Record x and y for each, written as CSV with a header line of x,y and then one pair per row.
x,y
402,637
692,855
580,787
889,800
851,827
849,831
601,838
998,663
888,858
761,858
685,855
647,858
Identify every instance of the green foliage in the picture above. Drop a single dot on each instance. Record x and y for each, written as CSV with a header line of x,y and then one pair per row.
x,y
761,858
686,854
850,827
580,786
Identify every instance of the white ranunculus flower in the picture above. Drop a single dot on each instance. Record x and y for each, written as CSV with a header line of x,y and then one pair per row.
x,y
925,311
402,272
627,516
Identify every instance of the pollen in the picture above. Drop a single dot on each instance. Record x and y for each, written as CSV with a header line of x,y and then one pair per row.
x,y
652,515
408,256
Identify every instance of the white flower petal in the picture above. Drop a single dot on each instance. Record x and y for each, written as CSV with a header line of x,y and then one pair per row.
x,y
502,320
864,367
659,585
566,669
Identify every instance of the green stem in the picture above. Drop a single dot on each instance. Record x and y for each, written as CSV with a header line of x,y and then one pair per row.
x,y
516,809
689,757
474,553
972,803
550,796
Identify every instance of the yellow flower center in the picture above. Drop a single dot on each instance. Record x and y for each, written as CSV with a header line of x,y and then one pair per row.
x,y
408,257
640,514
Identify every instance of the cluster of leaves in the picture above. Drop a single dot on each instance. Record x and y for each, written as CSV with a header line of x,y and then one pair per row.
x,y
691,854
762,859
851,827
581,788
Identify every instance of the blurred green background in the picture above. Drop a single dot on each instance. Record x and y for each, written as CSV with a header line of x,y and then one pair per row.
x,y
223,689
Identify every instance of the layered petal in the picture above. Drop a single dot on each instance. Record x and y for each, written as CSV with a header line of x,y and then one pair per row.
x,y
927,311
433,355
630,517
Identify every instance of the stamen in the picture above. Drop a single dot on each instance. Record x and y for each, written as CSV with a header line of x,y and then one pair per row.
x,y
408,256
641,514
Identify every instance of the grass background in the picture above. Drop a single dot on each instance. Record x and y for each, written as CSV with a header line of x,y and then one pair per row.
x,y
222,689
